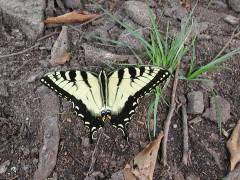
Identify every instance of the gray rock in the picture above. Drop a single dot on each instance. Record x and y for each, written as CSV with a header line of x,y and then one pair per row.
x,y
138,12
219,110
3,90
195,102
98,55
235,5
27,15
48,152
175,10
74,4
231,19
4,166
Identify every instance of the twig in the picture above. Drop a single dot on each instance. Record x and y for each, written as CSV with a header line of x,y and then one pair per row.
x,y
169,117
186,153
47,36
229,41
93,159
20,52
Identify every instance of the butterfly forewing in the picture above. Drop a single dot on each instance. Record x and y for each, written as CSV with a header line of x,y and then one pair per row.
x,y
126,86
83,90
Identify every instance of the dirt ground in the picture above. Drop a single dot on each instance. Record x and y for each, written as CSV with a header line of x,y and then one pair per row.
x,y
21,131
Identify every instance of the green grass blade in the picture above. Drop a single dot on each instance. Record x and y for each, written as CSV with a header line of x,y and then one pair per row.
x,y
213,64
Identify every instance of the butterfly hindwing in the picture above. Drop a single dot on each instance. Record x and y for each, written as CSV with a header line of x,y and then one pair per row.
x,y
126,86
121,120
83,90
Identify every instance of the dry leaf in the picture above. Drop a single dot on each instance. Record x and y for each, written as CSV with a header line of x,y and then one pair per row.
x,y
143,165
233,145
72,17
59,52
63,58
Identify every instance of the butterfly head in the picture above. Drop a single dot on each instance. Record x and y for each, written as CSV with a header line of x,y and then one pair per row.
x,y
106,115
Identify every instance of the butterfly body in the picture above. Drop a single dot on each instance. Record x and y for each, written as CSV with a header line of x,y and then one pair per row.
x,y
105,97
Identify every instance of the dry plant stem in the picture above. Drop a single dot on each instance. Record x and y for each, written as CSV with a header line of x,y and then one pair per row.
x,y
20,52
186,155
93,159
47,36
169,117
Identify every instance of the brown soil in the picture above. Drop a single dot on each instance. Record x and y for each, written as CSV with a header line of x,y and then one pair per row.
x,y
21,133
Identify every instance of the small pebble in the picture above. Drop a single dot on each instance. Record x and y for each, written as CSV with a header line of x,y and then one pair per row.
x,y
195,102
231,20
175,126
195,120
219,110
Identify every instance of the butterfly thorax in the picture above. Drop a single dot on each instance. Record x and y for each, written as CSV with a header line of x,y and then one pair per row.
x,y
106,115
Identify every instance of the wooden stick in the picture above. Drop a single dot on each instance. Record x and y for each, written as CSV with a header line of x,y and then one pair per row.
x,y
47,36
169,117
186,154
